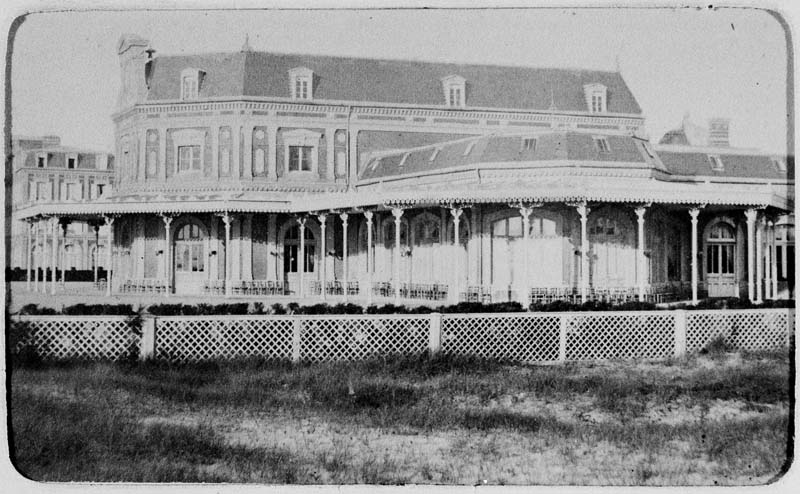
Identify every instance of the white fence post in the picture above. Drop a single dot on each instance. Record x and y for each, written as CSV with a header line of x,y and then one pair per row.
x,y
562,337
296,328
147,343
680,333
435,334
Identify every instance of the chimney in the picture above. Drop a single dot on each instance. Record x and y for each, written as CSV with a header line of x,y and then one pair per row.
x,y
50,141
134,53
718,132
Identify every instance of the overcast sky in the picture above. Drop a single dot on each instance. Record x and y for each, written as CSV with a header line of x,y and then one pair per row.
x,y
728,63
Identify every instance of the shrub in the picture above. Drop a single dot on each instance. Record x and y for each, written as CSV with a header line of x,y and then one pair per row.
x,y
35,310
98,310
278,309
717,346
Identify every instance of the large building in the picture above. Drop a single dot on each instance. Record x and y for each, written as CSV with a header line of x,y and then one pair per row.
x,y
261,173
46,172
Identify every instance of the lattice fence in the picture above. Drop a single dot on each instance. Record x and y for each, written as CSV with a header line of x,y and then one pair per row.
x,y
519,337
620,335
198,338
755,329
330,338
522,337
77,337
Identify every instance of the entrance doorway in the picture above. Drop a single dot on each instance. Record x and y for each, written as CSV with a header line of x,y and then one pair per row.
x,y
291,257
189,256
721,261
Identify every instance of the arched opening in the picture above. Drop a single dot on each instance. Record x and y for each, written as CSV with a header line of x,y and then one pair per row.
x,y
507,250
720,260
425,253
388,237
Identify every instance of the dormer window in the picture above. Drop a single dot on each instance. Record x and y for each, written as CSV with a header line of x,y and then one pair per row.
x,y
716,163
469,148
596,97
454,91
434,154
190,84
779,164
41,160
601,143
302,83
403,161
72,161
528,144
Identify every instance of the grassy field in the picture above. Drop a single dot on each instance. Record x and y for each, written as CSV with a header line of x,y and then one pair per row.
x,y
715,419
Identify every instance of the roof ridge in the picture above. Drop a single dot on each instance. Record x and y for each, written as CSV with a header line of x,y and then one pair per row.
x,y
392,60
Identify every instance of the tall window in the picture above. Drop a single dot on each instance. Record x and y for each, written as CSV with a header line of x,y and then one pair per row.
x,y
454,91
188,158
784,252
74,191
40,161
71,163
300,158
597,103
720,250
189,86
291,250
301,79
455,96
301,88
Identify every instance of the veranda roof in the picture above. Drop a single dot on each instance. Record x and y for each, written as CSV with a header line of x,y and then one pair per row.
x,y
558,189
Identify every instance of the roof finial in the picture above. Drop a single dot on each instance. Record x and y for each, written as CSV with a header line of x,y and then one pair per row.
x,y
246,45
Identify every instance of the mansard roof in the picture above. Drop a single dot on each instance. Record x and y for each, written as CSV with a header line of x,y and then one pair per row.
x,y
694,162
260,74
567,147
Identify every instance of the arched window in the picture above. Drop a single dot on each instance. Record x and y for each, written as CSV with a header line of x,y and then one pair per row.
x,y
291,250
426,232
190,249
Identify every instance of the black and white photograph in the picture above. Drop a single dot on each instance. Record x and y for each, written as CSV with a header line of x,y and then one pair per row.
x,y
447,247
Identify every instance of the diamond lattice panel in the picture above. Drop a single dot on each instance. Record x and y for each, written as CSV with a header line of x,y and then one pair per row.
x,y
357,337
595,336
79,337
746,329
516,337
191,339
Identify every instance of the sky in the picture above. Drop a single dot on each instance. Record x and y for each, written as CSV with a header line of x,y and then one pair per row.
x,y
710,63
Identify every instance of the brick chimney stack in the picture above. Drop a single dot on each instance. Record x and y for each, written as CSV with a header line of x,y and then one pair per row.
x,y
718,132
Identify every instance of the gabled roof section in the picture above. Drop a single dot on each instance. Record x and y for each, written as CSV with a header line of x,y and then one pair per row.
x,y
262,74
223,75
737,164
568,147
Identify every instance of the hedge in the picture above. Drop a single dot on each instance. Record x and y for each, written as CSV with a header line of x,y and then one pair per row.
x,y
463,307
82,275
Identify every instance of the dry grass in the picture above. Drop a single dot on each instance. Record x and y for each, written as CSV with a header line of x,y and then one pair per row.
x,y
719,419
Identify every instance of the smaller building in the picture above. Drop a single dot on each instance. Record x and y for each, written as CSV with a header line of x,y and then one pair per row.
x,y
46,172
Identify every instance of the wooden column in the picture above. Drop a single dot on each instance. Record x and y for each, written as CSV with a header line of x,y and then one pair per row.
x,y
64,226
398,214
456,213
759,261
751,215
28,255
54,227
774,263
641,264
301,262
694,213
370,267
323,224
38,258
584,211
96,227
769,258
345,275
109,248
167,254
226,220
